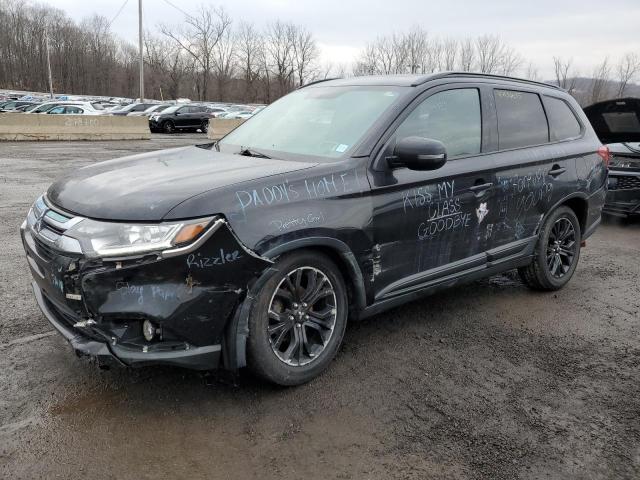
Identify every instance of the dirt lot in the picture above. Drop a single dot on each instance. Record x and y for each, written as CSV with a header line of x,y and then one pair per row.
x,y
484,381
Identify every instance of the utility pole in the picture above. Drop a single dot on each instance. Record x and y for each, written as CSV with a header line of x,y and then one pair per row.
x,y
46,41
141,51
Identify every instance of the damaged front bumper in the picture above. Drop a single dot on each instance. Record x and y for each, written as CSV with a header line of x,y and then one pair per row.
x,y
101,305
112,354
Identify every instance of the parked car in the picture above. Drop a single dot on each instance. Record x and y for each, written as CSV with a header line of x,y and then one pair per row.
x,y
12,105
243,114
86,106
181,117
617,123
154,108
71,110
131,108
25,108
340,200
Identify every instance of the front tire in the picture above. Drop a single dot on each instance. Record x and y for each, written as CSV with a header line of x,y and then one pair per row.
x,y
557,252
298,319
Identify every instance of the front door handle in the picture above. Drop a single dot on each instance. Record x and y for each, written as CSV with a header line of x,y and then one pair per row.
x,y
481,188
557,170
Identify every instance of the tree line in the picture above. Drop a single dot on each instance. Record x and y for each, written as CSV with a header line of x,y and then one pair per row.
x,y
209,56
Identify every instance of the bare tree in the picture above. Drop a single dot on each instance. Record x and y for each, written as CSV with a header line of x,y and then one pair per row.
x,y
449,54
178,68
564,76
305,52
224,62
434,55
531,73
416,49
599,81
467,56
489,51
199,37
510,61
249,51
280,38
627,69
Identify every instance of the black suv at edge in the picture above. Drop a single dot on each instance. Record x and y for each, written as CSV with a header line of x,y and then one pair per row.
x,y
340,200
182,117
617,124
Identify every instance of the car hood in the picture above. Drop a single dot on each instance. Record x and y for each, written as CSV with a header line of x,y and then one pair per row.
x,y
615,121
146,187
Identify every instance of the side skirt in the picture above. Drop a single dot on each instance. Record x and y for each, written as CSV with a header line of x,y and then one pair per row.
x,y
513,255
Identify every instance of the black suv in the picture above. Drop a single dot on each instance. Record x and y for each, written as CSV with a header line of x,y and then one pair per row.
x,y
182,117
340,200
617,123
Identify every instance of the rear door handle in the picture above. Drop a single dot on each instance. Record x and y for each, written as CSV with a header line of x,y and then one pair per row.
x,y
481,188
557,170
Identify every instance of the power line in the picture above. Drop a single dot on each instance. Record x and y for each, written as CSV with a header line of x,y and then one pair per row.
x,y
118,14
179,9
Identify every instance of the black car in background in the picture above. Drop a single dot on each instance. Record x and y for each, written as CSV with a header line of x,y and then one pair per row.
x,y
617,123
182,117
338,201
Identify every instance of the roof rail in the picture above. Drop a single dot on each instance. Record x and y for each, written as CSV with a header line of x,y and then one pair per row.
x,y
319,81
434,76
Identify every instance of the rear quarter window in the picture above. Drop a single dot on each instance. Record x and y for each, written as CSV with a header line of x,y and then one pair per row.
x,y
521,119
563,123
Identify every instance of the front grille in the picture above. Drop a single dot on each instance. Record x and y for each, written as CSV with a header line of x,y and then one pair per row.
x,y
625,183
43,250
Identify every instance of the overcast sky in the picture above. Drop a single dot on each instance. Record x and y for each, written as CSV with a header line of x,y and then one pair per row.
x,y
587,30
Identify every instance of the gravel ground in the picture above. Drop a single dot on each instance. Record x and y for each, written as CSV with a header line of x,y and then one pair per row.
x,y
488,380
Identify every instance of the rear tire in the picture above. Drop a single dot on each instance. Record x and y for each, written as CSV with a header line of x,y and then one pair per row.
x,y
204,127
557,252
298,319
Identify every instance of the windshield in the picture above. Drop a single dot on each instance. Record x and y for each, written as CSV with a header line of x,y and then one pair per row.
x,y
321,121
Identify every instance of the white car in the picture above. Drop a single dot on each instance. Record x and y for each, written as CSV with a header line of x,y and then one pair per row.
x,y
71,110
86,106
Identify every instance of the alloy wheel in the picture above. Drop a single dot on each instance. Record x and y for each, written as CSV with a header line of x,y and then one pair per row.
x,y
561,247
302,316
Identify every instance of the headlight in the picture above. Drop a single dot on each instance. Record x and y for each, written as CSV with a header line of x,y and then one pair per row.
x,y
110,239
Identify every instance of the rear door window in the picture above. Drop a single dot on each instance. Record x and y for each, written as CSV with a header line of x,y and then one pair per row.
x,y
521,119
563,123
452,117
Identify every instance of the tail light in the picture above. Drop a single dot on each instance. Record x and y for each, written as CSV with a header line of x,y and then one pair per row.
x,y
605,154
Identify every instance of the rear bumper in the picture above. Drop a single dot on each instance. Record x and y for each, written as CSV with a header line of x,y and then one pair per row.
x,y
621,199
197,358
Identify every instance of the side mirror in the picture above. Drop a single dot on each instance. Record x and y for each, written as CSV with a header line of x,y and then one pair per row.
x,y
418,153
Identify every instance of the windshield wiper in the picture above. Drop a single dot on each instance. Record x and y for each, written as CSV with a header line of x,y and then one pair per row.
x,y
249,152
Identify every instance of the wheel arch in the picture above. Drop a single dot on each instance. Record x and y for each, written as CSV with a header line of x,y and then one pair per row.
x,y
237,330
577,202
580,207
340,253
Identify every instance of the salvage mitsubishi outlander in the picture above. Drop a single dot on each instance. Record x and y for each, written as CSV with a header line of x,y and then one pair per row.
x,y
340,200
